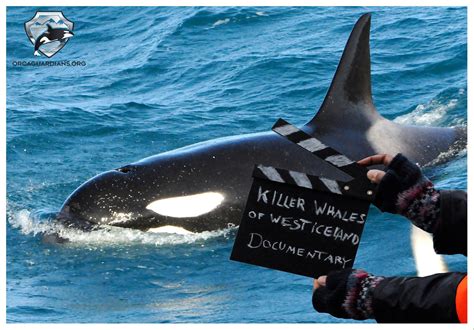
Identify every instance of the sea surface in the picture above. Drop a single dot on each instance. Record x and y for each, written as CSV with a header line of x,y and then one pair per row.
x,y
157,79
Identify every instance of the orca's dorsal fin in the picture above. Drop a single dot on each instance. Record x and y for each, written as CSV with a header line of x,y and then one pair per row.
x,y
50,28
350,93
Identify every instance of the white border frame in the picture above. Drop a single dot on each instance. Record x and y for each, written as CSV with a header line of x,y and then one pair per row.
x,y
65,3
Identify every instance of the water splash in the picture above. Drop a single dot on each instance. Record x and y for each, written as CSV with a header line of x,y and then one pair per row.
x,y
457,149
29,223
441,111
434,113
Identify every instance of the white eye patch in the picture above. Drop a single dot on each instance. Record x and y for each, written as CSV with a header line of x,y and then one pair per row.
x,y
187,206
45,40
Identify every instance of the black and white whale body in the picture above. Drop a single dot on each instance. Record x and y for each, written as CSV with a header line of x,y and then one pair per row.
x,y
204,186
50,35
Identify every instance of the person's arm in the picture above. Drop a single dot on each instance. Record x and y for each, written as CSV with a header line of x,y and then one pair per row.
x,y
438,298
403,189
450,232
356,294
430,299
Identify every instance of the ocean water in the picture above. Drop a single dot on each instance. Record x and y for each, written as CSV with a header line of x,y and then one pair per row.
x,y
161,78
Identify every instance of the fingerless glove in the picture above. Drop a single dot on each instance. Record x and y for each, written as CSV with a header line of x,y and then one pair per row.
x,y
348,294
406,191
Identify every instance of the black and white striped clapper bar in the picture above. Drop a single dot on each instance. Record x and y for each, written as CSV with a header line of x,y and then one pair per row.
x,y
301,223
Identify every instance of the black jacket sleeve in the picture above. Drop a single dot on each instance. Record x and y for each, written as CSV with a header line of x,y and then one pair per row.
x,y
450,232
430,299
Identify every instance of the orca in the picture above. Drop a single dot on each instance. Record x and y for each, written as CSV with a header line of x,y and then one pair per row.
x,y
204,186
50,35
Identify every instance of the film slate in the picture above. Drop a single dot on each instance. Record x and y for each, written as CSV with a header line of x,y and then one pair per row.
x,y
300,223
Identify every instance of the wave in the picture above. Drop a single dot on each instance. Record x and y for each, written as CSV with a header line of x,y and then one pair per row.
x,y
215,16
221,22
403,23
440,111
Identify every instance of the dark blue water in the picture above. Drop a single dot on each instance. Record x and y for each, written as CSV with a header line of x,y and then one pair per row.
x,y
161,78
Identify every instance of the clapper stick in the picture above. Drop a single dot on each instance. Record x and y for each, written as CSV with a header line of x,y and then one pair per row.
x,y
360,187
318,149
355,188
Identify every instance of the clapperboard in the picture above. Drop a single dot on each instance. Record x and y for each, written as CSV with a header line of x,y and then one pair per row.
x,y
300,223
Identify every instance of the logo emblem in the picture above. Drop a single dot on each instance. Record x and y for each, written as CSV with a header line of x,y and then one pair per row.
x,y
49,31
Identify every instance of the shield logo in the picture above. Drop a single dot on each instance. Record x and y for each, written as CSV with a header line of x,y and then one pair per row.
x,y
49,31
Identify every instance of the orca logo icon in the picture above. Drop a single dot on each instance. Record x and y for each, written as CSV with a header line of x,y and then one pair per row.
x,y
49,31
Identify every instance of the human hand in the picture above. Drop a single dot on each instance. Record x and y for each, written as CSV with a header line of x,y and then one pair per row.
x,y
345,293
318,282
399,176
403,189
376,175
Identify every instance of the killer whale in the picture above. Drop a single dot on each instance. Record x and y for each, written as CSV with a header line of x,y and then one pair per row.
x,y
50,35
204,186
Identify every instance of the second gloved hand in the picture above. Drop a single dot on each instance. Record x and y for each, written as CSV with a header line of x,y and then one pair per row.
x,y
346,294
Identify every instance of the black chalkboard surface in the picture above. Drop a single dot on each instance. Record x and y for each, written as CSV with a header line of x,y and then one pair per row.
x,y
300,223
299,230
